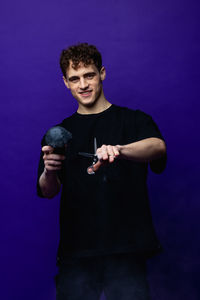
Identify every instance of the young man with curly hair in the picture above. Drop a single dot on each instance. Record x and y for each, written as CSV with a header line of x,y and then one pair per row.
x,y
106,229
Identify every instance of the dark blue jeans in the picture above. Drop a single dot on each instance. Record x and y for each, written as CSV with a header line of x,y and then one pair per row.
x,y
120,276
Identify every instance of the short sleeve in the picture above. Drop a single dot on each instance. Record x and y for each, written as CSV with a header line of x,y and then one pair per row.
x,y
40,171
145,126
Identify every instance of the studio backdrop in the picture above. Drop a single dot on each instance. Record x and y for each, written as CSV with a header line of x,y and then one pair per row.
x,y
151,54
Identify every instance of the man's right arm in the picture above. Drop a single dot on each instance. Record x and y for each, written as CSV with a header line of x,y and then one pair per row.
x,y
49,182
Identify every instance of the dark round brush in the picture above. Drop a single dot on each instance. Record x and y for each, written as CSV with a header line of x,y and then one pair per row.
x,y
57,137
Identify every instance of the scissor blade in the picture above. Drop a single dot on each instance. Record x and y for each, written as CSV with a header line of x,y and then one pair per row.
x,y
86,154
95,145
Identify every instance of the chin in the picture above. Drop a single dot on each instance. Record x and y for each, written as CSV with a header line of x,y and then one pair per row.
x,y
88,103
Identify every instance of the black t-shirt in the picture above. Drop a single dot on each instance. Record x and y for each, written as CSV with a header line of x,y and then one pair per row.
x,y
107,212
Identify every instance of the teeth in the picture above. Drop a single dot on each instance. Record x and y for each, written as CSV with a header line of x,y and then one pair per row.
x,y
85,92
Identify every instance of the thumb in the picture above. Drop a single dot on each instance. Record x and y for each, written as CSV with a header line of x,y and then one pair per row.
x,y
47,149
96,166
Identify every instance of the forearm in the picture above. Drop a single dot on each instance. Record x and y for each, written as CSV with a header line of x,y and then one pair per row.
x,y
145,150
49,184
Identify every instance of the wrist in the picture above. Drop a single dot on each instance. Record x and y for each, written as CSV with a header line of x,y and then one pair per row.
x,y
127,151
122,151
49,174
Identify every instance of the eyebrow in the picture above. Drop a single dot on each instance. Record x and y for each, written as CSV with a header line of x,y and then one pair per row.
x,y
73,77
85,75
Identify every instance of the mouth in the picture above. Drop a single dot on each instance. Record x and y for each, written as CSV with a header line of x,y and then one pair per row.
x,y
86,93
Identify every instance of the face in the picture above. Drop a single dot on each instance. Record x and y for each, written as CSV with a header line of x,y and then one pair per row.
x,y
85,83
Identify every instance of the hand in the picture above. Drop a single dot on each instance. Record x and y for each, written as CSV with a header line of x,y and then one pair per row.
x,y
106,154
52,162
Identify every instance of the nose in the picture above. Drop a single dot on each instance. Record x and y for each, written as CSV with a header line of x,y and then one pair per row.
x,y
83,84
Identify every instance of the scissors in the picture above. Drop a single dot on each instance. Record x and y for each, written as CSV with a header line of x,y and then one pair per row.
x,y
90,169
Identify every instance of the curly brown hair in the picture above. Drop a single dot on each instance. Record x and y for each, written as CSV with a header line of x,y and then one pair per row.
x,y
82,52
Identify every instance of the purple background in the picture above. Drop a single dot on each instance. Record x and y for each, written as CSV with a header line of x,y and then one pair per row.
x,y
151,52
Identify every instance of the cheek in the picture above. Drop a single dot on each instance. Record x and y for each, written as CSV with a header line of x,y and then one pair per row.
x,y
73,90
74,94
97,85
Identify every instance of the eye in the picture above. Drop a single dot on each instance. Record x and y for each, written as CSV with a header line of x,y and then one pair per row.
x,y
74,79
90,75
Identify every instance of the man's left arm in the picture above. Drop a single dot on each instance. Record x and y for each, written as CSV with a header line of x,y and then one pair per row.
x,y
152,150
146,150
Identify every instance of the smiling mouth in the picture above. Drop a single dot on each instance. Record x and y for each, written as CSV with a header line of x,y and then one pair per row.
x,y
85,93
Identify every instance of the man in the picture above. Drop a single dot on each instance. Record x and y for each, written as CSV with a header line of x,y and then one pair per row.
x,y
106,230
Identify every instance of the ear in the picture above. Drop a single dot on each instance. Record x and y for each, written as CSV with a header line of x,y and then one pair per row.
x,y
66,82
103,73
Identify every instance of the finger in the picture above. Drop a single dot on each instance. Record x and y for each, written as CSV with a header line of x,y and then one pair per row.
x,y
52,168
56,157
53,163
100,153
116,151
111,153
104,152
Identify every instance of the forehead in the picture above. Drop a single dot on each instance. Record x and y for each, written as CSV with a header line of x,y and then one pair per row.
x,y
81,70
